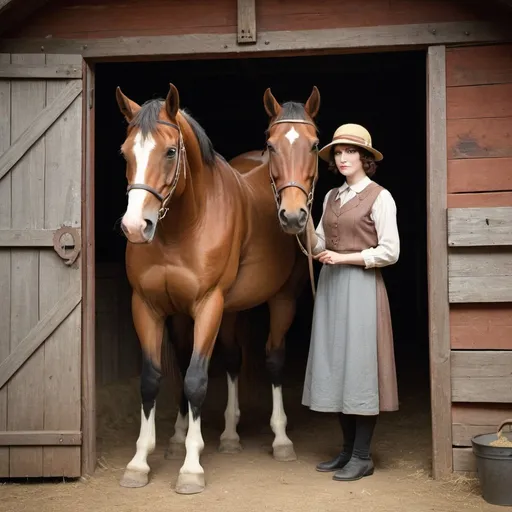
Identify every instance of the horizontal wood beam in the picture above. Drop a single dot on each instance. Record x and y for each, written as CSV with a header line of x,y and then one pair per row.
x,y
481,376
39,126
463,460
41,438
479,226
423,35
40,332
480,275
27,237
62,71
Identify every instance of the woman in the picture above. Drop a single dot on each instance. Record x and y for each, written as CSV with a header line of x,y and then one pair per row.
x,y
351,365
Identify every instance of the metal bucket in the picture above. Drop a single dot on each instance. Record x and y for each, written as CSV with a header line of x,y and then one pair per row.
x,y
494,466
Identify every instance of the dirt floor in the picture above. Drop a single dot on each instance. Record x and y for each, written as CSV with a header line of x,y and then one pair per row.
x,y
252,480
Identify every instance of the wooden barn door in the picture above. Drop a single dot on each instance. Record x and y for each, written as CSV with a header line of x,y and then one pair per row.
x,y
40,260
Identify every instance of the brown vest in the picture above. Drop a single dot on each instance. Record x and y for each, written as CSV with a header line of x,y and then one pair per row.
x,y
350,228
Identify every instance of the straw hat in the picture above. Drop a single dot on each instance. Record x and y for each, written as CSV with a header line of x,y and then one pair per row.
x,y
353,134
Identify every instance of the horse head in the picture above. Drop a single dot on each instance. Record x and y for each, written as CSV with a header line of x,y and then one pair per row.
x,y
292,145
155,162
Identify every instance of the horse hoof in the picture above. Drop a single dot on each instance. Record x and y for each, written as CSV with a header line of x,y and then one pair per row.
x,y
285,453
133,478
230,446
175,451
190,483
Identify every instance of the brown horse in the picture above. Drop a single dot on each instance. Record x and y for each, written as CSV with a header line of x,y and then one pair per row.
x,y
203,243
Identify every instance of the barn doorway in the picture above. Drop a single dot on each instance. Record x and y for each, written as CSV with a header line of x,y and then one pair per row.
x,y
385,92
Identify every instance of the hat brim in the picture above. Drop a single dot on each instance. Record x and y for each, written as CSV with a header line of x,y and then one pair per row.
x,y
324,152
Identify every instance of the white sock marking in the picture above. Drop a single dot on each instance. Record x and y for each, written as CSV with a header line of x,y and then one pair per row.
x,y
232,412
278,420
194,444
145,442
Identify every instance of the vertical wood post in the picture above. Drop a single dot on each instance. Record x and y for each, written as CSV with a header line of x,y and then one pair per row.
x,y
437,243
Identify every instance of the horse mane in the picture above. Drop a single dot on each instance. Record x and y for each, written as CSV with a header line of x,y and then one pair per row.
x,y
292,110
148,115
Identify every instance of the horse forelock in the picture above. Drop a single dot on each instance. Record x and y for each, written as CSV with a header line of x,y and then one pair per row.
x,y
294,111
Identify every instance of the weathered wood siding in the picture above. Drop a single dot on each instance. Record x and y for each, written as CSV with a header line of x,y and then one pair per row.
x,y
479,138
76,19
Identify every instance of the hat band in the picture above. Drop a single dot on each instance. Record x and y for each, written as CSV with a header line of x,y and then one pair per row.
x,y
353,138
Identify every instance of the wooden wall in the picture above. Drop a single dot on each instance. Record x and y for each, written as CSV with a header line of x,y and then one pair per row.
x,y
102,19
479,133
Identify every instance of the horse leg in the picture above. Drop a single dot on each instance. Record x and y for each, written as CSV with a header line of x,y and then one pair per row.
x,y
182,340
207,322
232,351
150,329
282,311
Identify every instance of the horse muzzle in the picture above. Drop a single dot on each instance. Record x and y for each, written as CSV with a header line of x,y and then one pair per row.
x,y
293,222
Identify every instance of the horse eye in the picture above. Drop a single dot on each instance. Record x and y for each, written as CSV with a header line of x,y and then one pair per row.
x,y
315,147
171,153
271,147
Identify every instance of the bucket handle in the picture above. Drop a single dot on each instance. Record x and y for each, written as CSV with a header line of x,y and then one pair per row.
x,y
503,423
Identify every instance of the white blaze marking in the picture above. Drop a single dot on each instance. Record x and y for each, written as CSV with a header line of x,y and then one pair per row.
x,y
145,443
142,150
292,135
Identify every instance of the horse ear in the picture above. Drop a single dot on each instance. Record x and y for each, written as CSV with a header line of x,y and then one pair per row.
x,y
172,102
313,104
272,106
127,107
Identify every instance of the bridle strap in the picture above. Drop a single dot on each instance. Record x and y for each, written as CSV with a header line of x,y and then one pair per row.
x,y
165,199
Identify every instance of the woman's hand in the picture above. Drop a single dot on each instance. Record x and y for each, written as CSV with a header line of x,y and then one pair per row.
x,y
330,258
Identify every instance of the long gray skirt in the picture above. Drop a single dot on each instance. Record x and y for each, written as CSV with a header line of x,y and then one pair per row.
x,y
342,367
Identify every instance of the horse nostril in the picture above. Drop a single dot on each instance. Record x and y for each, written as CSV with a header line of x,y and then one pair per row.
x,y
148,230
282,216
303,216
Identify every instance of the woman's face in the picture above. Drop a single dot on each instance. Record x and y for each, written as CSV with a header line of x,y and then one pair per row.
x,y
348,160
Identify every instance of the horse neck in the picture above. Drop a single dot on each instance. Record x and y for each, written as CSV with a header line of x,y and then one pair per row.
x,y
188,208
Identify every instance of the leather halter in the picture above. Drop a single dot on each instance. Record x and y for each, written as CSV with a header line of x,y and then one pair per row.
x,y
310,195
164,200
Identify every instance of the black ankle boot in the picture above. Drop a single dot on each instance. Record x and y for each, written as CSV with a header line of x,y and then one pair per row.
x,y
354,469
332,465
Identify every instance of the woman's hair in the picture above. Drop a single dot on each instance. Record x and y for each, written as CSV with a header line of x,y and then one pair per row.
x,y
368,160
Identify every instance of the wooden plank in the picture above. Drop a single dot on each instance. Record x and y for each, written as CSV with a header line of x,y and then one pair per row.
x,y
27,237
39,126
480,275
439,329
477,102
464,460
5,255
40,332
478,65
481,376
479,138
41,438
246,11
17,71
21,9
88,395
479,175
479,226
25,393
496,199
382,36
481,326
62,198
470,420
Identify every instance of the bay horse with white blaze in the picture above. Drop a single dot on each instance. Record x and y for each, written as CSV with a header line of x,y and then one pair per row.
x,y
204,243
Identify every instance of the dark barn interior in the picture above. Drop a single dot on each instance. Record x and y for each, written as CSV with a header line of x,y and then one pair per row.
x,y
384,92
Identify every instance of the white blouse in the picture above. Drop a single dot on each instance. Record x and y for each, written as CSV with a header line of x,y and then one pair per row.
x,y
383,215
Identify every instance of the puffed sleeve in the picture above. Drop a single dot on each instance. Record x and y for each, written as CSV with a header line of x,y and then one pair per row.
x,y
388,248
319,231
